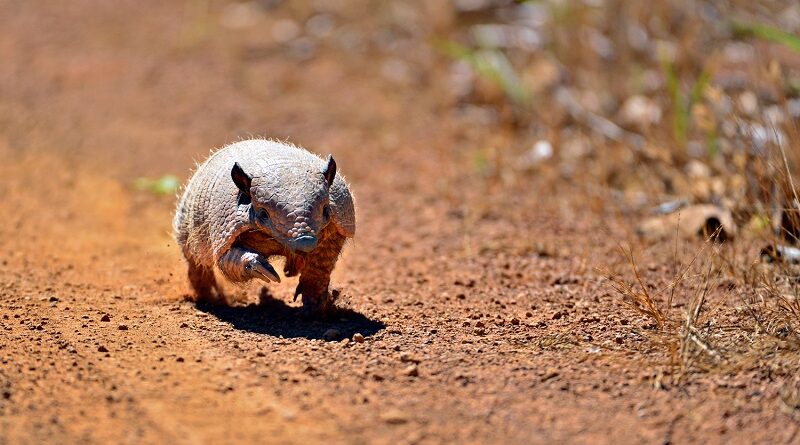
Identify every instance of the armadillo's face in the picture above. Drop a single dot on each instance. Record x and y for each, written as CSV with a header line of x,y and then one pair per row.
x,y
292,206
289,202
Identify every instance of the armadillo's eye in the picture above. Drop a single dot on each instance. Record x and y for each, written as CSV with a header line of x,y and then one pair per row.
x,y
326,212
263,215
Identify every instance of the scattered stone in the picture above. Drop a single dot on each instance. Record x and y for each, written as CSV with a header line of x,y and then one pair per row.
x,y
748,102
698,220
105,318
179,360
777,253
640,111
550,373
332,334
697,169
358,337
538,153
53,299
123,327
591,318
394,417
411,371
515,321
102,348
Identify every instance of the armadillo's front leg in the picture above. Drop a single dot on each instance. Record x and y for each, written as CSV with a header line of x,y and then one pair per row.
x,y
239,264
316,275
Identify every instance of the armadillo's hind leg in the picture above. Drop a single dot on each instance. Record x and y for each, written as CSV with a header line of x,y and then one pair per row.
x,y
204,284
318,301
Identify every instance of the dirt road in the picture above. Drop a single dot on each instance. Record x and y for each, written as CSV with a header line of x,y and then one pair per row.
x,y
482,316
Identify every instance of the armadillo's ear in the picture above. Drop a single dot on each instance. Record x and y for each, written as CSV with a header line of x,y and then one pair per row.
x,y
241,179
330,170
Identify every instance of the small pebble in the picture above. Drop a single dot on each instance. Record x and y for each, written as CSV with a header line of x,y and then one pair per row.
x,y
123,327
358,338
105,318
411,371
394,417
550,374
102,348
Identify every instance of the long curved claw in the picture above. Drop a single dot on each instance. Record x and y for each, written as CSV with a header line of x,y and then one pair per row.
x,y
263,270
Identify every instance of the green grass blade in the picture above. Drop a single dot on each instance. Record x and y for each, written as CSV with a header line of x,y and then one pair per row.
x,y
766,32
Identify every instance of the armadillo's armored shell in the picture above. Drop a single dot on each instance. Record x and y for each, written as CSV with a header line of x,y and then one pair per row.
x,y
209,217
342,207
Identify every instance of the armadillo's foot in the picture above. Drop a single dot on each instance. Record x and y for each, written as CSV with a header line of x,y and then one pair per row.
x,y
241,265
317,305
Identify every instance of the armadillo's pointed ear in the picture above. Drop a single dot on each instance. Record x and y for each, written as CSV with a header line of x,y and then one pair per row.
x,y
241,179
330,170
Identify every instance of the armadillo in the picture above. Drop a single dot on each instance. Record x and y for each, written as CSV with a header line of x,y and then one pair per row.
x,y
258,199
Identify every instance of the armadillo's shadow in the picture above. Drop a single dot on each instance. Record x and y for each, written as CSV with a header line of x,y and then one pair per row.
x,y
273,317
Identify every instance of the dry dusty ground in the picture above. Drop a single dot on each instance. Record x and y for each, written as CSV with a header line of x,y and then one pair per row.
x,y
483,316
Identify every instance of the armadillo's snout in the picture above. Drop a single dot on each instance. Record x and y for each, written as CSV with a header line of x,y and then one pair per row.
x,y
305,243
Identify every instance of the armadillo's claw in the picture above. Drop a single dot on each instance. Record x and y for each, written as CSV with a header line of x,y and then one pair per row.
x,y
263,270
297,291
